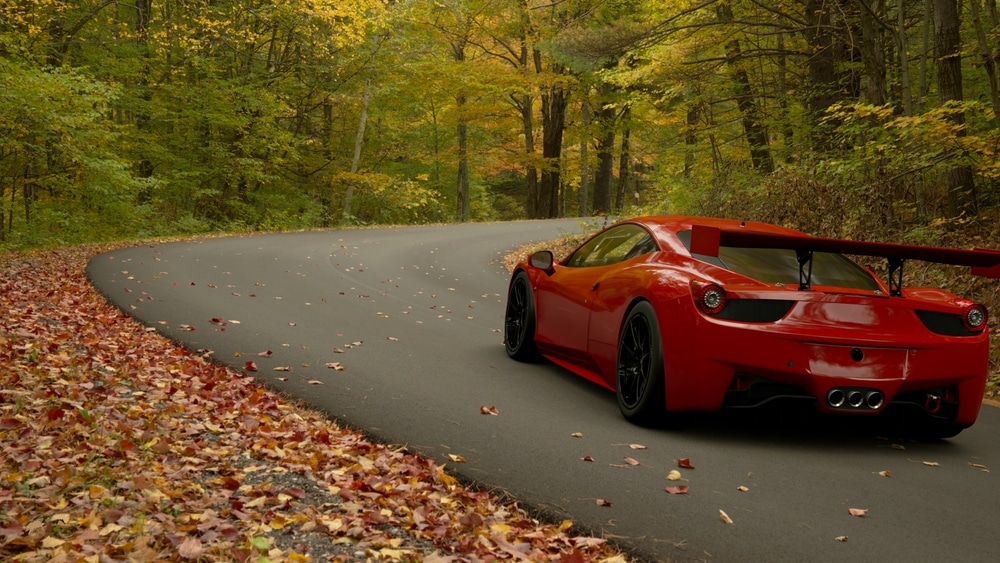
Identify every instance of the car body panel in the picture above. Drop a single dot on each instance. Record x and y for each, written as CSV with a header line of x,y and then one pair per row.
x,y
826,338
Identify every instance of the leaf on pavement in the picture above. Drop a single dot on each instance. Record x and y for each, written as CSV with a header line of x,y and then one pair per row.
x,y
684,463
725,517
456,458
674,475
265,354
631,461
335,365
931,463
637,446
587,458
677,489
603,502
250,366
492,410
859,512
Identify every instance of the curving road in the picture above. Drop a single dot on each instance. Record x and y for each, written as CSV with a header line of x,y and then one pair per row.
x,y
414,315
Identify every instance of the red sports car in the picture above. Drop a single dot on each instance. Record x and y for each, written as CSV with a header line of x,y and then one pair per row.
x,y
682,314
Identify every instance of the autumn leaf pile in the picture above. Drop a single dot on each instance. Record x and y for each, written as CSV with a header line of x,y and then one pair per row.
x,y
118,445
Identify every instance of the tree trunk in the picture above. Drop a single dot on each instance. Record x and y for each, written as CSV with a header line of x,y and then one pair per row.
x,y
359,141
624,161
988,58
553,123
873,51
605,158
948,52
583,209
822,69
753,127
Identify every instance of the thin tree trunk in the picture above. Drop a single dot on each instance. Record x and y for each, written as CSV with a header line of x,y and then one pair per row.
x,y
584,205
986,54
358,142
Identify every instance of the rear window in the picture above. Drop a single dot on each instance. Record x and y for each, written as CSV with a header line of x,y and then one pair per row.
x,y
772,265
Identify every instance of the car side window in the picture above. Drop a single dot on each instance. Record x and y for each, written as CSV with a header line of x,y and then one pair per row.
x,y
612,246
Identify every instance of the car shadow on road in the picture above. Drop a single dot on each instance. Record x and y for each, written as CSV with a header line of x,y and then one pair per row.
x,y
800,424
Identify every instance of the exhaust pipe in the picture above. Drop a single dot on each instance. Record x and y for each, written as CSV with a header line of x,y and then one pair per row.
x,y
835,398
855,399
874,399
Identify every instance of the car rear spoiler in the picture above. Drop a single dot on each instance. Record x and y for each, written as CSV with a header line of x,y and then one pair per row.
x,y
707,240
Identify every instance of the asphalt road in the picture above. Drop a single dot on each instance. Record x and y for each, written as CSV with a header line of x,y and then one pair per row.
x,y
415,317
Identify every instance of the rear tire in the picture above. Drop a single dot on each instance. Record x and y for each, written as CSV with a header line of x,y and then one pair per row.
x,y
519,320
639,374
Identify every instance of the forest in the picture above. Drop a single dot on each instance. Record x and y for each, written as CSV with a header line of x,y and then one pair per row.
x,y
131,119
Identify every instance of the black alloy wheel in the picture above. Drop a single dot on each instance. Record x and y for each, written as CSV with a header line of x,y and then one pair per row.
x,y
519,320
639,369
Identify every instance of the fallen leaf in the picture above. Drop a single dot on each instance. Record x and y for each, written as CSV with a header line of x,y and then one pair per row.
x,y
603,502
456,458
577,434
684,463
631,461
898,447
190,548
885,473
637,446
742,488
725,517
677,489
859,512
314,382
674,475
931,463
283,368
335,365
587,458
250,366
265,354
489,410
841,538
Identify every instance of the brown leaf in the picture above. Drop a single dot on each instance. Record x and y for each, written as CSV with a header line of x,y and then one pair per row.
x,y
587,458
190,548
631,461
684,463
492,410
603,502
336,366
859,512
725,517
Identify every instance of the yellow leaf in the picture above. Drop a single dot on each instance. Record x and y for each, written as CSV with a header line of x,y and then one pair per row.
x,y
725,517
456,458
674,475
52,543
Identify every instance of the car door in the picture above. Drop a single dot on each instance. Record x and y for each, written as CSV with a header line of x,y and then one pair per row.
x,y
564,307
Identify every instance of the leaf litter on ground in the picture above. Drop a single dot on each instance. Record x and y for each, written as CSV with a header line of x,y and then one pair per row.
x,y
117,444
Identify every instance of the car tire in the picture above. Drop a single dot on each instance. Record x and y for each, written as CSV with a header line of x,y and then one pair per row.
x,y
639,377
519,320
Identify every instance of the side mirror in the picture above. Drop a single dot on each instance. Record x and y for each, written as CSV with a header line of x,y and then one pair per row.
x,y
543,260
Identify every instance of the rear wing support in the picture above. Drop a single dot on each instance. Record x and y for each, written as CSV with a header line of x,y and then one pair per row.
x,y
707,240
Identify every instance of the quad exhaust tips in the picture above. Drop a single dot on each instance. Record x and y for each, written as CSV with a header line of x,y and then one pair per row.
x,y
854,399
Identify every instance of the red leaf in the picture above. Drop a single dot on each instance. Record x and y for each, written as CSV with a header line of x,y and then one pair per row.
x,y
587,458
677,490
684,463
296,492
250,366
603,502
489,410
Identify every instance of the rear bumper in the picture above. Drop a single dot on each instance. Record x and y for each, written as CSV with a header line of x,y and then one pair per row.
x,y
709,367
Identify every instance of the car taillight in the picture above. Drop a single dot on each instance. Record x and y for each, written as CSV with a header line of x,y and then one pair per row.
x,y
710,298
974,317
